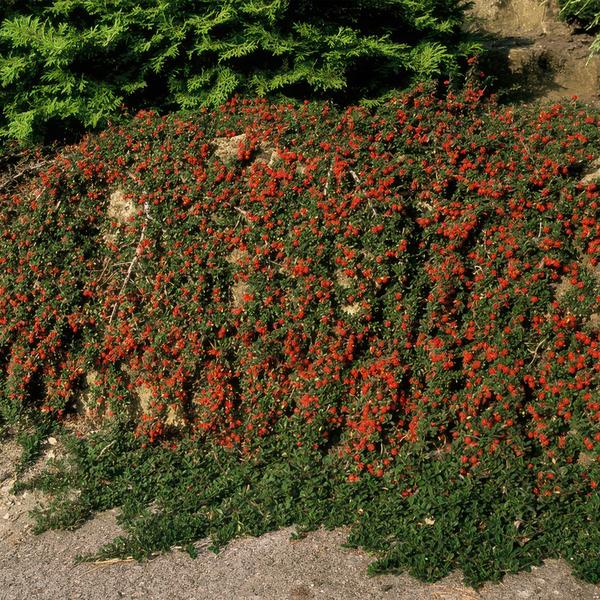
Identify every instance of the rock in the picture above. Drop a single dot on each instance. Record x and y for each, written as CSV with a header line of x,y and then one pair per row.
x,y
120,207
173,417
239,290
227,147
236,256
342,279
352,309
593,173
267,154
585,459
86,400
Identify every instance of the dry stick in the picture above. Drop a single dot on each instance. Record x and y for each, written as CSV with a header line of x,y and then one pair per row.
x,y
22,172
539,235
12,156
106,448
127,277
108,264
535,351
329,173
355,177
244,213
133,262
357,181
442,591
113,561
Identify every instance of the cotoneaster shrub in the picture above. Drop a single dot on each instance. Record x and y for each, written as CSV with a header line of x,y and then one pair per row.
x,y
292,314
67,64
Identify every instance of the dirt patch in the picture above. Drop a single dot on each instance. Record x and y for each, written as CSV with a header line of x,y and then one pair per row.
x,y
515,17
15,522
534,54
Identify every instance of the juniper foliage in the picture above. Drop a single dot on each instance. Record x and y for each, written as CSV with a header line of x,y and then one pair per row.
x,y
73,63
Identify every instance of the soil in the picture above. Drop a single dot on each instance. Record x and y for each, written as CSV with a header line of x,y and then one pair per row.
x,y
540,58
536,55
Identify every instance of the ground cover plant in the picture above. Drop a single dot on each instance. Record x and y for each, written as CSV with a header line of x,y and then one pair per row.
x,y
68,64
290,314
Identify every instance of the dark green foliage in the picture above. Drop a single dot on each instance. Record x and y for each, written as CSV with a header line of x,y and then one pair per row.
x,y
583,12
485,526
73,63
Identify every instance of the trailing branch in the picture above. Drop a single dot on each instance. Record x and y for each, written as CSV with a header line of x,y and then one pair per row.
x,y
136,258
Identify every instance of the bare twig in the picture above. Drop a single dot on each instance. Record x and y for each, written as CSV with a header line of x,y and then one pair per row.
x,y
108,264
127,278
133,262
113,561
147,213
244,214
12,156
106,448
357,181
27,169
329,173
446,592
525,147
539,235
535,351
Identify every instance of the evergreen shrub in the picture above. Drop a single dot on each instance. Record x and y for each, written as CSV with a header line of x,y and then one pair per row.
x,y
67,64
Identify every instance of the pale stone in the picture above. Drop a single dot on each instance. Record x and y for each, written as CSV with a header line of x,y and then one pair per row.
x,y
120,207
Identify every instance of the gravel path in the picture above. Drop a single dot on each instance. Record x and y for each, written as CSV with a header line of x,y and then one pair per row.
x,y
265,568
